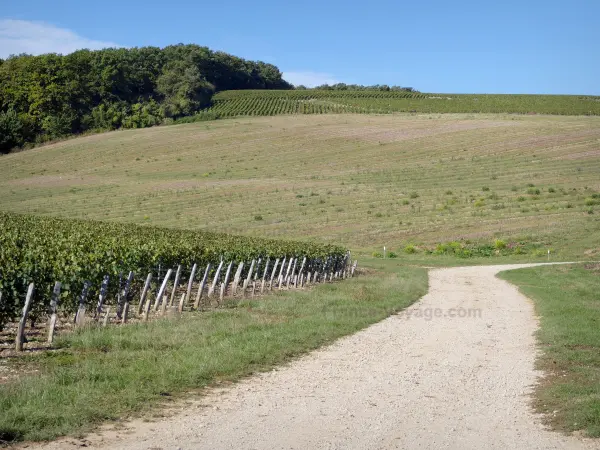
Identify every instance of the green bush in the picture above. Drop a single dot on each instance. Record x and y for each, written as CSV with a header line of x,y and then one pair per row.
x,y
377,255
410,249
499,244
392,255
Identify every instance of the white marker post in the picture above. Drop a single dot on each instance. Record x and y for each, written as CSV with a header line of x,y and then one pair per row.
x,y
384,252
548,254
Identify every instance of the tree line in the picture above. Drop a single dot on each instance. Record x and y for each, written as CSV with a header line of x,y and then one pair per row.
x,y
50,96
357,87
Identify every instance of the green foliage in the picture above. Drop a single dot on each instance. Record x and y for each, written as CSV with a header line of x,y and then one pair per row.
x,y
377,255
54,95
499,244
392,255
410,249
381,101
11,130
44,250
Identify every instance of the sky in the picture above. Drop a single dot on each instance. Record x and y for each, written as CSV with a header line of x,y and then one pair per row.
x,y
464,46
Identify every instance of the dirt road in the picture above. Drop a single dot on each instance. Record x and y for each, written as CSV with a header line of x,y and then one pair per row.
x,y
454,371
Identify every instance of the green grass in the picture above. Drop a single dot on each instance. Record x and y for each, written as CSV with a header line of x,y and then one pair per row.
x,y
363,181
273,102
567,301
106,374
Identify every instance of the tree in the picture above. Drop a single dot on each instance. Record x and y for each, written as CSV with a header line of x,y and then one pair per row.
x,y
184,90
11,131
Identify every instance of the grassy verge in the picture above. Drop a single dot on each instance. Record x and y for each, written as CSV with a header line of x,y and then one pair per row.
x,y
105,374
568,302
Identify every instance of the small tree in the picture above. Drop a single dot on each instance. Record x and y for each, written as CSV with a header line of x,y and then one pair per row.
x,y
11,131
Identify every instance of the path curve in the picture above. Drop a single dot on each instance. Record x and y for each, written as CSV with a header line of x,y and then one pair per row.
x,y
412,381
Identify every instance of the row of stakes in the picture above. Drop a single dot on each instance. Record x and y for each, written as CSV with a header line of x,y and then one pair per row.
x,y
161,302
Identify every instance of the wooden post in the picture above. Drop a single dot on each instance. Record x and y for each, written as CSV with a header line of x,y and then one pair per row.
x,y
188,293
53,311
222,293
123,308
211,290
182,302
287,272
227,275
302,266
201,288
105,322
247,281
308,278
353,268
257,268
175,285
273,274
236,278
279,277
102,296
80,315
264,278
253,288
20,339
161,291
144,293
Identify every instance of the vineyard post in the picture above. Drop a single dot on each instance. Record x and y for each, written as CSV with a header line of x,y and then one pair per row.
x,y
123,307
302,266
102,296
273,274
181,302
53,311
281,271
236,278
256,269
188,293
227,275
161,291
287,272
211,290
106,316
262,286
354,268
308,277
80,315
290,278
20,339
222,292
253,288
175,285
201,288
247,280
144,293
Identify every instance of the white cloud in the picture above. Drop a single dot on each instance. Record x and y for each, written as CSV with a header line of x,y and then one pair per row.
x,y
309,79
36,38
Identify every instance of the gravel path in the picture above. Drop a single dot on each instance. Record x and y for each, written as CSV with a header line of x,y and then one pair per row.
x,y
460,380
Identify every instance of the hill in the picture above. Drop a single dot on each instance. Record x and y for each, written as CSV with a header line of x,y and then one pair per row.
x,y
360,180
268,103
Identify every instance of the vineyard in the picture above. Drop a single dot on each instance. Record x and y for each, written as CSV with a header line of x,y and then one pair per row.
x,y
109,261
274,102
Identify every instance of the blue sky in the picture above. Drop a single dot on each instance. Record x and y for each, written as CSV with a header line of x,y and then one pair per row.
x,y
526,46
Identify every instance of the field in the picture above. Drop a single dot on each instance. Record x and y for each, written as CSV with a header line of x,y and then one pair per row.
x,y
356,180
273,102
566,300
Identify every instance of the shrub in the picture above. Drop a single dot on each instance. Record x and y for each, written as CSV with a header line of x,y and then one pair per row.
x,y
392,255
405,202
414,194
448,192
530,185
591,201
485,188
258,217
521,198
377,255
410,249
479,203
551,190
499,244
533,191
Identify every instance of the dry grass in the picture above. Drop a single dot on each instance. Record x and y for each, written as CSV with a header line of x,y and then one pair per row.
x,y
360,180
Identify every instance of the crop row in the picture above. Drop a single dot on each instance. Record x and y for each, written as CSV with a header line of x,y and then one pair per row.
x,y
44,250
265,103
